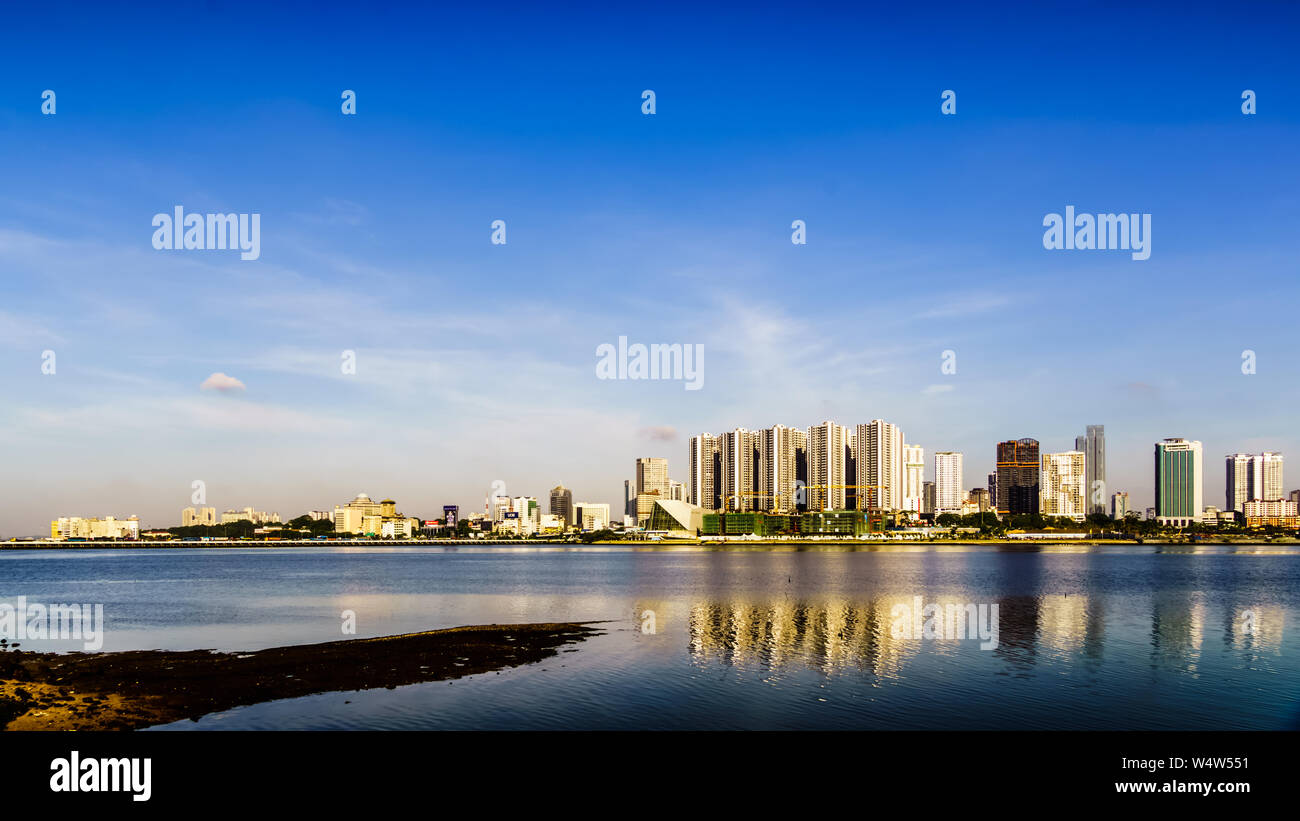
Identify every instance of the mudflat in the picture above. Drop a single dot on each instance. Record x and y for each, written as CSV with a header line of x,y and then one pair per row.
x,y
140,688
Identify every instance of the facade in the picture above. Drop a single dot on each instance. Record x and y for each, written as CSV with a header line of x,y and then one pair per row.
x,y
1017,477
1063,486
1274,512
652,476
828,447
929,498
1178,480
562,504
1093,447
676,518
949,494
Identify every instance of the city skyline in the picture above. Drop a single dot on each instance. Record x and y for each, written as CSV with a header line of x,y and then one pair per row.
x,y
476,362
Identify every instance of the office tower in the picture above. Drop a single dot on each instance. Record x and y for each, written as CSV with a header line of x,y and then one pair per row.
x,y
1017,480
979,499
652,476
1266,476
738,466
676,491
993,491
704,484
562,504
1119,505
1093,447
629,499
880,466
827,447
1236,482
777,470
1178,479
591,515
1063,482
948,482
913,477
928,498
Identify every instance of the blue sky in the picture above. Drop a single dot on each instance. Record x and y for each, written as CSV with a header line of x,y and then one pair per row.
x,y
476,362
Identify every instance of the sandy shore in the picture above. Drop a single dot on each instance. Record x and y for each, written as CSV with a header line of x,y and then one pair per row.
x,y
123,691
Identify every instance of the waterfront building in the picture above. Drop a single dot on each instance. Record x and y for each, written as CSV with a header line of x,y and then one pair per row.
x,y
828,451
1018,470
913,477
363,515
1178,482
1266,476
562,504
949,494
879,474
1119,505
591,516
704,484
1237,481
204,516
780,451
738,468
929,498
1063,482
109,527
1093,446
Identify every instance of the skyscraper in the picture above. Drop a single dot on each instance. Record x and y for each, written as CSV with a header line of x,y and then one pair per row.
x,y
562,504
1119,504
827,448
1017,469
1178,479
779,451
1266,477
1063,484
948,482
1093,447
705,481
913,477
1237,482
928,498
738,470
880,466
993,490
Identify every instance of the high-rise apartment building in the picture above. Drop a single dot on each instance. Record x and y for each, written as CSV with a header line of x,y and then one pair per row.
x,y
828,446
1017,481
704,484
949,495
1119,507
1237,481
1266,477
1179,480
738,469
1063,479
913,477
780,450
1093,447
879,448
205,516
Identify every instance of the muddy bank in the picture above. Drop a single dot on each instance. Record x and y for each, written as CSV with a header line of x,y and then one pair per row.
x,y
121,691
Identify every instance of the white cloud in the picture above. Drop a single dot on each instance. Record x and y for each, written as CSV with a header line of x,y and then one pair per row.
x,y
221,382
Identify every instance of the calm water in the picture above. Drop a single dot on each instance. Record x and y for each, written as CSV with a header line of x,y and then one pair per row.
x,y
1089,637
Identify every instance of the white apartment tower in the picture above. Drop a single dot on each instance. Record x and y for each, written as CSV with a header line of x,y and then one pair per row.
x,y
948,494
880,466
913,477
827,446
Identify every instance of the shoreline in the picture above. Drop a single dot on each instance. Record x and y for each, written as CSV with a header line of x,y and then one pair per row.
x,y
132,689
646,544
